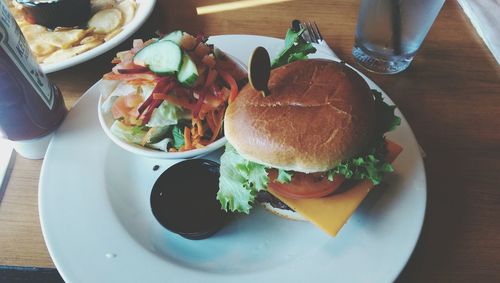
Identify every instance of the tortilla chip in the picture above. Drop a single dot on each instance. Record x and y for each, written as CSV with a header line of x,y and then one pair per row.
x,y
63,38
41,49
32,32
112,34
98,5
91,39
127,7
106,21
64,54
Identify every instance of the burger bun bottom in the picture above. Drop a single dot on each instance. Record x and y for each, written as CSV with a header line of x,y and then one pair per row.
x,y
285,213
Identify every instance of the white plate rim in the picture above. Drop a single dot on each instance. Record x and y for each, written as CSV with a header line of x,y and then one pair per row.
x,y
145,8
419,222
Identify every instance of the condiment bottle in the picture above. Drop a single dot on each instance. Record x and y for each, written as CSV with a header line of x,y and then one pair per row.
x,y
31,107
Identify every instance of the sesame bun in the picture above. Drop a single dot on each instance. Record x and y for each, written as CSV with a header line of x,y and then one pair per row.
x,y
318,113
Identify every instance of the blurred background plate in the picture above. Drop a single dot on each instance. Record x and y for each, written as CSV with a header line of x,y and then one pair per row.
x,y
144,9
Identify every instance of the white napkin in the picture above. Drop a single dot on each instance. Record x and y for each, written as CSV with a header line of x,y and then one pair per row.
x,y
485,17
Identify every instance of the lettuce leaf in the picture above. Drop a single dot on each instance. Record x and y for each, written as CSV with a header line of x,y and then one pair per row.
x,y
372,165
386,119
239,182
133,134
164,115
284,176
178,136
110,91
296,48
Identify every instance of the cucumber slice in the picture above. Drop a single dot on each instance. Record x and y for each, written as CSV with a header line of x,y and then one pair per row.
x,y
188,74
162,57
174,36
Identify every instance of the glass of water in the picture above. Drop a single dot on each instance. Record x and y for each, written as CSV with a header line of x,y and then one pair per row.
x,y
389,32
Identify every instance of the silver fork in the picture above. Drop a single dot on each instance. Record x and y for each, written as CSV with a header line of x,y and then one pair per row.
x,y
312,34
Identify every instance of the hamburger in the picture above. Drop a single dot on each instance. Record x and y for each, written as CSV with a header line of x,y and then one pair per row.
x,y
315,145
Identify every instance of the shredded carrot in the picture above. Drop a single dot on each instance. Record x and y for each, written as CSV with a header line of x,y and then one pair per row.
x,y
194,133
218,122
199,127
146,77
180,101
187,138
210,120
212,75
199,145
232,84
157,95
197,133
139,82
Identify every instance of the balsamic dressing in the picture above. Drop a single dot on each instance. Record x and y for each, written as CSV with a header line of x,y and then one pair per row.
x,y
57,13
183,199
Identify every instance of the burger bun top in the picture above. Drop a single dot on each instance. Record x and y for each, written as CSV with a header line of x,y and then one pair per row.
x,y
319,112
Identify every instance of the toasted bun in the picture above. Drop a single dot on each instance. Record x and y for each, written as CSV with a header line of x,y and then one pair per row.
x,y
285,213
318,113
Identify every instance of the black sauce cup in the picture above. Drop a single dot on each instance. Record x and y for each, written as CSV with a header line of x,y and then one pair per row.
x,y
183,199
57,13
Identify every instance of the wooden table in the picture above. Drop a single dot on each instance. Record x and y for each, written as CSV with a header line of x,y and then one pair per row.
x,y
450,96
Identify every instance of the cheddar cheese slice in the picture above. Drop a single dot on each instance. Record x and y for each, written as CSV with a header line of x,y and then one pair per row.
x,y
332,212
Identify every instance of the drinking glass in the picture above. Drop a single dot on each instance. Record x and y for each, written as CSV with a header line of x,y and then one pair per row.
x,y
389,32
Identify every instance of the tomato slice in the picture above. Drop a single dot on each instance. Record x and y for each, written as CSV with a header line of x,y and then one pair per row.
x,y
314,185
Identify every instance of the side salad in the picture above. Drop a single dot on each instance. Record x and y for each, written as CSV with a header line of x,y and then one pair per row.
x,y
170,93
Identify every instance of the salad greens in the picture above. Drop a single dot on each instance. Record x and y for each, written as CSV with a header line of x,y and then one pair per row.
x,y
158,133
129,133
241,179
178,136
168,67
388,121
166,114
284,176
296,48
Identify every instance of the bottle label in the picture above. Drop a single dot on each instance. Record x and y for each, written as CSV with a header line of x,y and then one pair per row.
x,y
15,46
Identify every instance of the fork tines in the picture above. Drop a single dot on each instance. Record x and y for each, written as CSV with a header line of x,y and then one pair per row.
x,y
311,33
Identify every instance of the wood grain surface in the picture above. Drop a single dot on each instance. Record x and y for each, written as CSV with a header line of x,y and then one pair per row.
x,y
450,96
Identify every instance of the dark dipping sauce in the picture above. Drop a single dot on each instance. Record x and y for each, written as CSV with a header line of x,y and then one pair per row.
x,y
57,13
184,201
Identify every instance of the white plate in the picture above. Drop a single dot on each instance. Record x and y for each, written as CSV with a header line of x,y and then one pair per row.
x,y
98,227
144,9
